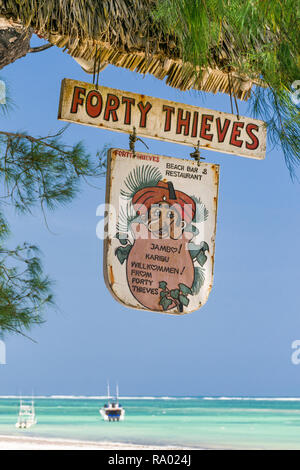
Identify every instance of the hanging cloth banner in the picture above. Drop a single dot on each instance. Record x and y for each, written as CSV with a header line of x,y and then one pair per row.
x,y
160,231
160,119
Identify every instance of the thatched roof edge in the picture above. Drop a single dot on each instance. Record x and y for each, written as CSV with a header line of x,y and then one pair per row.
x,y
122,32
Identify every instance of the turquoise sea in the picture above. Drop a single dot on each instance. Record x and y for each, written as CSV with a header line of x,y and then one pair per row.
x,y
238,423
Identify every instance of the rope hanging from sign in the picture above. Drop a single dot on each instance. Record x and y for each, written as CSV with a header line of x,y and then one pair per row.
x,y
97,65
133,138
231,92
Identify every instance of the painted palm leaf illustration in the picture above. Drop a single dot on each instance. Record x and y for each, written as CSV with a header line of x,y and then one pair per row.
x,y
139,178
126,215
201,210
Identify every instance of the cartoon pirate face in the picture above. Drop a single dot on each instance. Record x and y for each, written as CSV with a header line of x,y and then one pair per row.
x,y
164,221
166,212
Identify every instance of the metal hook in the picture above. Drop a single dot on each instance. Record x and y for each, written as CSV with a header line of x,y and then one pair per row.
x,y
196,154
133,139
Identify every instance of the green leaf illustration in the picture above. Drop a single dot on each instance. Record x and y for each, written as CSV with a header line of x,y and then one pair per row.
x,y
163,293
204,246
165,303
191,228
122,253
175,293
195,230
184,300
162,285
184,289
122,237
201,258
199,278
201,211
194,250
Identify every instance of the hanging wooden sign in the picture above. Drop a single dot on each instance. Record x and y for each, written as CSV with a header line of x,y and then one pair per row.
x,y
120,111
160,231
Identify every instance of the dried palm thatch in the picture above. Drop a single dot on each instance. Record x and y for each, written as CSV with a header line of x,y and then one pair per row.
x,y
124,33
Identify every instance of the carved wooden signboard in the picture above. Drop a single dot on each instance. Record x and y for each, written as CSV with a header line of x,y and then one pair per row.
x,y
121,111
160,231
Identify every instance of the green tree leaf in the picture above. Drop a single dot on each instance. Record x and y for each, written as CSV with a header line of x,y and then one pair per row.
x,y
253,39
38,172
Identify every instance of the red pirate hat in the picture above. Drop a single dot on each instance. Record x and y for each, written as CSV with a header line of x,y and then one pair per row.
x,y
164,192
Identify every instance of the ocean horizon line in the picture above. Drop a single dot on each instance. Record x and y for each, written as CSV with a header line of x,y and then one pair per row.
x,y
154,397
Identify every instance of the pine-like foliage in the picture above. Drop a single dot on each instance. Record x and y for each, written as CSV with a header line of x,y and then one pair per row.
x,y
40,172
256,39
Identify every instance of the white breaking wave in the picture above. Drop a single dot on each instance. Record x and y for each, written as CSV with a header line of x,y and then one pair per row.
x,y
254,398
96,397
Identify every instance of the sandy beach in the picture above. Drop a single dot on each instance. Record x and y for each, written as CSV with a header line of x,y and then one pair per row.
x,y
35,443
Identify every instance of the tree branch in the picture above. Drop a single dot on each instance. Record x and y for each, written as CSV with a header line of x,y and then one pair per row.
x,y
34,140
40,48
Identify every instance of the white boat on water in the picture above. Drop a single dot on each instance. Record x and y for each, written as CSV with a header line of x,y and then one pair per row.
x,y
112,410
26,417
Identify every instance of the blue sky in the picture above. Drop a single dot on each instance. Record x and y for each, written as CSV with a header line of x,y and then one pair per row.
x,y
238,344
